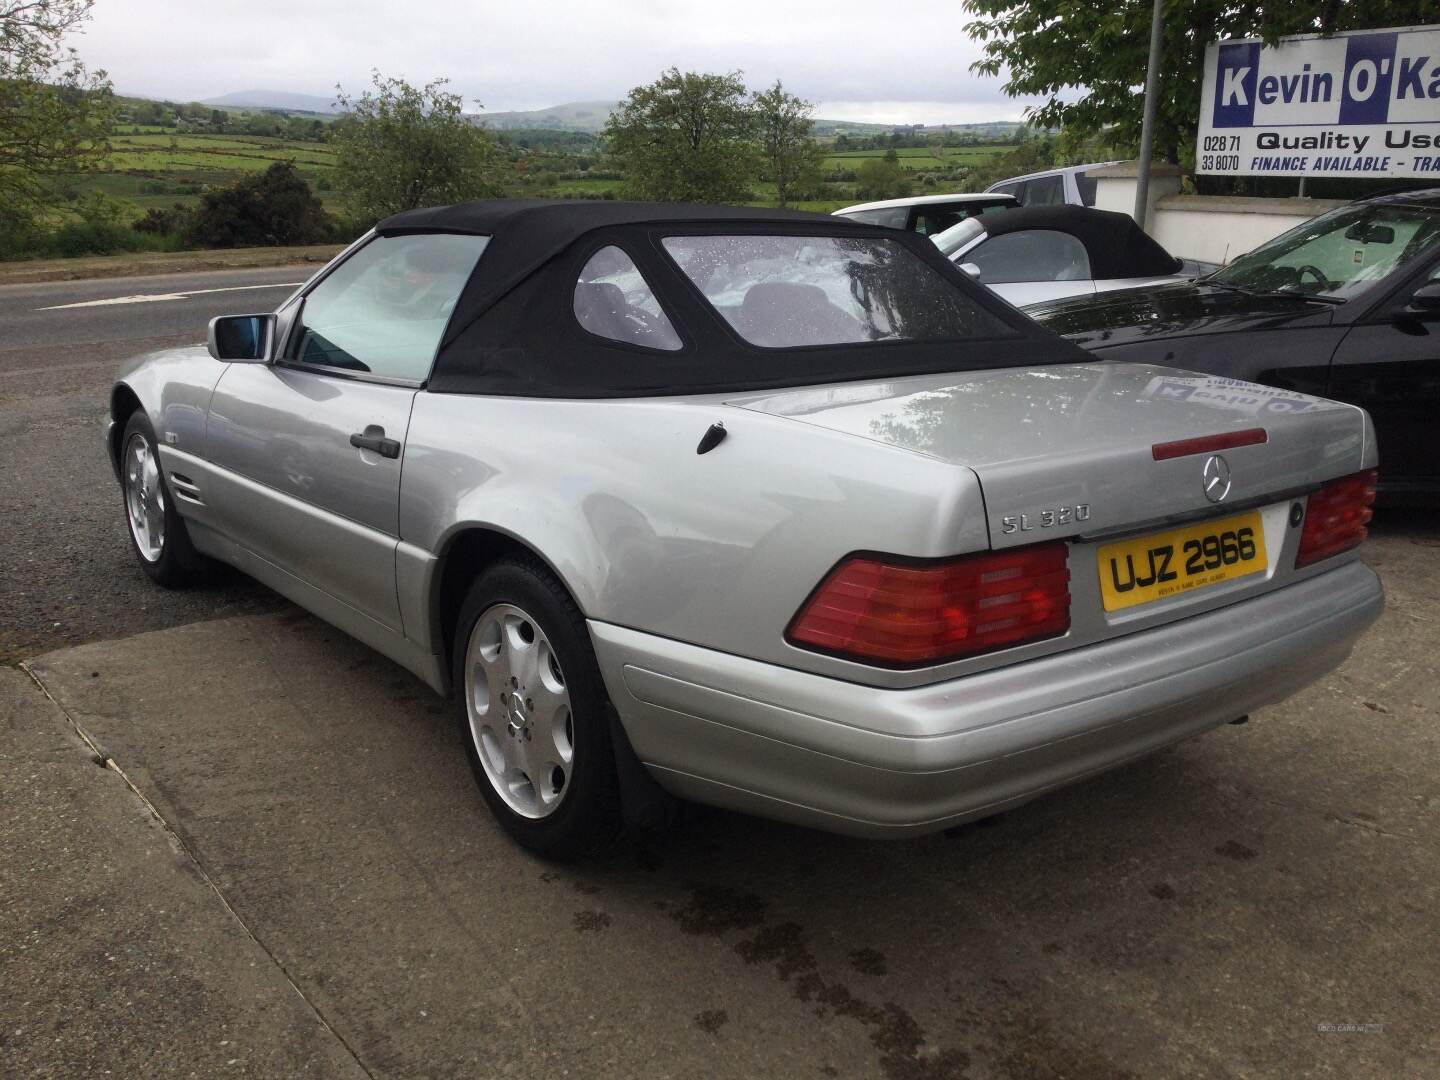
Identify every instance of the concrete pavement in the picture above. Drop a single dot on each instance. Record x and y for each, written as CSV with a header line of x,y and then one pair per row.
x,y
1218,910
117,956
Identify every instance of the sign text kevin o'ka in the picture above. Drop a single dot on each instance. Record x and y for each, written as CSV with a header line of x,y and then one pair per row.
x,y
1365,103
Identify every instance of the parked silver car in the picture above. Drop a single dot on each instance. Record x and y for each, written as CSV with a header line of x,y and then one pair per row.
x,y
767,510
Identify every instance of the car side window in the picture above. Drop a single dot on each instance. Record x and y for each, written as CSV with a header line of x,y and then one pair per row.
x,y
613,300
1045,191
890,217
382,311
1008,189
936,219
1031,255
1087,186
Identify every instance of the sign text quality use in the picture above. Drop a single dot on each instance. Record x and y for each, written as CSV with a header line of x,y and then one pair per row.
x,y
1355,104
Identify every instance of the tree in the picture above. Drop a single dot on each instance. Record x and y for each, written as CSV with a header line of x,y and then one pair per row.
x,y
685,138
1096,54
55,116
273,207
400,146
1032,155
791,157
882,178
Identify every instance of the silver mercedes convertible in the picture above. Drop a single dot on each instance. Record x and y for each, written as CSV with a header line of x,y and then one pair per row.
x,y
766,510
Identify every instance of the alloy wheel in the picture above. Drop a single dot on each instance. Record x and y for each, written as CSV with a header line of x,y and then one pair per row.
x,y
519,711
144,498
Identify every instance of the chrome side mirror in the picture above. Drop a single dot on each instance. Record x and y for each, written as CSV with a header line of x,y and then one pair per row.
x,y
243,339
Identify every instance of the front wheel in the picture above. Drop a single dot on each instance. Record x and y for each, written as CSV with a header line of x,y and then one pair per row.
x,y
157,531
533,712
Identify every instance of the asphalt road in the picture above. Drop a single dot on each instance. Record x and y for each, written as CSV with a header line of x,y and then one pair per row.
x,y
66,572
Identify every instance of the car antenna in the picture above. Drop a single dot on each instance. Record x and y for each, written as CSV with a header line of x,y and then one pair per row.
x,y
713,437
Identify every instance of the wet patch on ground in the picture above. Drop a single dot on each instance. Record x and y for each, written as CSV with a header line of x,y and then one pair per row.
x,y
711,1020
868,961
591,922
714,910
1233,849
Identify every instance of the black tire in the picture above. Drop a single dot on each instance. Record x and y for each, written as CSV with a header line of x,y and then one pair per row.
x,y
178,564
588,819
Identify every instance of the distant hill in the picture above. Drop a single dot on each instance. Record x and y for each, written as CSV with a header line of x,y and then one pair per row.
x,y
590,117
274,99
587,116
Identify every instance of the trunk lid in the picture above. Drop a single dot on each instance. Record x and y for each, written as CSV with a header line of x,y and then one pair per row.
x,y
1067,450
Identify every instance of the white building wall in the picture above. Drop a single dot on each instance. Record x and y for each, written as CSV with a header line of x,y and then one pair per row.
x,y
1211,228
1219,228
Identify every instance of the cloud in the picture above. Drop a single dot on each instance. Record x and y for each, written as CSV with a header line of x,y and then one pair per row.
x,y
863,58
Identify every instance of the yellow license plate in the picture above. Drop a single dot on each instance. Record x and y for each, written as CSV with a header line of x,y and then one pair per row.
x,y
1167,564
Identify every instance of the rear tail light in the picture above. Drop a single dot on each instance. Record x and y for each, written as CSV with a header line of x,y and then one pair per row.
x,y
914,612
1336,517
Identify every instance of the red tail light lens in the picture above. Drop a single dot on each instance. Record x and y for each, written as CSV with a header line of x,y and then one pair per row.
x,y
910,613
1336,517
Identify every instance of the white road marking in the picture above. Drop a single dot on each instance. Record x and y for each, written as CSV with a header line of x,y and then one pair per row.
x,y
151,298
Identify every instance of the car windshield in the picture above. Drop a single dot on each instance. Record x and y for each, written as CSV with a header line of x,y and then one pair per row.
x,y
802,291
1337,255
957,236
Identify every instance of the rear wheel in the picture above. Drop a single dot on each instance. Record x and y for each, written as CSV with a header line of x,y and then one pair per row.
x,y
532,712
157,531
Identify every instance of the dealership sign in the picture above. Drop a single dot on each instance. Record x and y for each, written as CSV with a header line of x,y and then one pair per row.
x,y
1365,103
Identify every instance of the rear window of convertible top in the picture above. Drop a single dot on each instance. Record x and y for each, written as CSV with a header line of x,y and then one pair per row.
x,y
781,292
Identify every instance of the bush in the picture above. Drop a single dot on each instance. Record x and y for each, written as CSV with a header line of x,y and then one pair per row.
x,y
345,228
19,237
275,207
102,238
176,221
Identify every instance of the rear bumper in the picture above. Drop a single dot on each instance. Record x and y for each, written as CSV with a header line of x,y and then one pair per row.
x,y
873,761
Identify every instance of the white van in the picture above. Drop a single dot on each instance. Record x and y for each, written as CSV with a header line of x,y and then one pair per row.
x,y
1054,187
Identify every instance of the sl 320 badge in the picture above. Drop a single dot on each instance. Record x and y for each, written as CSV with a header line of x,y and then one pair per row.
x,y
1045,519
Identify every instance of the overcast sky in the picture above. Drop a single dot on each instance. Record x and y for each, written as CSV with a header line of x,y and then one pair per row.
x,y
903,60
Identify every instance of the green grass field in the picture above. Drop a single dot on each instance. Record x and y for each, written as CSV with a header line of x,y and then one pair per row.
x,y
155,168
919,159
151,167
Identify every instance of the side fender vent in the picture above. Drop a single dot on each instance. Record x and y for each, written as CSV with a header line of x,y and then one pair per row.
x,y
185,488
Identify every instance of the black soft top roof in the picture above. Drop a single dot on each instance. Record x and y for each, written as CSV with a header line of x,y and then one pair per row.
x,y
513,330
572,217
525,234
1118,248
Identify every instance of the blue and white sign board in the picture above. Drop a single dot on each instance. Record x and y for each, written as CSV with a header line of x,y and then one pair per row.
x,y
1365,103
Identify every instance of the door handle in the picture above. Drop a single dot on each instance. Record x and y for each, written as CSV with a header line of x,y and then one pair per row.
x,y
373,438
